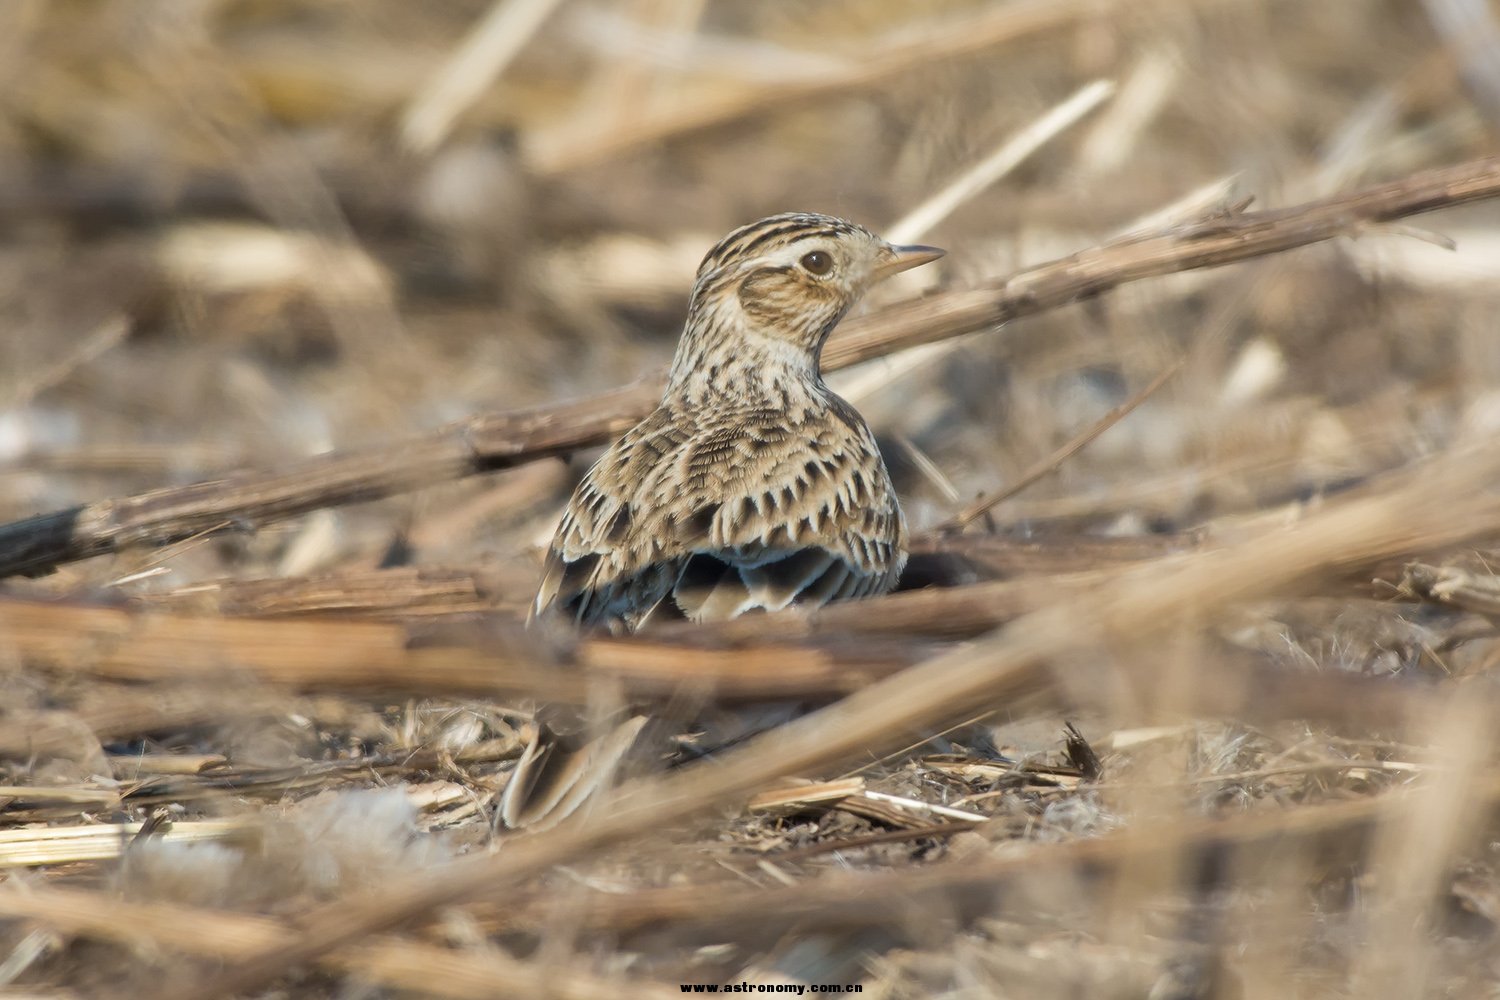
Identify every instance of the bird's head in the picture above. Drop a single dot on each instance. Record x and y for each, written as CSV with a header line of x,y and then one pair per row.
x,y
792,277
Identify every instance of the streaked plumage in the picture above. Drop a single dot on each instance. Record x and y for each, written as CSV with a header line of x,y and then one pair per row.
x,y
752,485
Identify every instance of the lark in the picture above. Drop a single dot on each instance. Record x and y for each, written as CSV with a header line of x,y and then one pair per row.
x,y
752,486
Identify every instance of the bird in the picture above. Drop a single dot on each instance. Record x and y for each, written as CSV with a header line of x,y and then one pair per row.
x,y
752,485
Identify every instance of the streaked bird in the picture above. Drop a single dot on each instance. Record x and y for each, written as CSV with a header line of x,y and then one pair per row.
x,y
752,485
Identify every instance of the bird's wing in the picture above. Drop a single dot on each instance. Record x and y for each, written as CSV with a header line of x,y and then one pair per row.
x,y
601,567
727,513
805,514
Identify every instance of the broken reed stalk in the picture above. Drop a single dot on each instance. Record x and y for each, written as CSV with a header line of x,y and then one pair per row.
x,y
36,846
1439,503
494,441
376,657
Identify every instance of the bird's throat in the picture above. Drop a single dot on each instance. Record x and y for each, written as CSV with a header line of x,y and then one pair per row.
x,y
744,367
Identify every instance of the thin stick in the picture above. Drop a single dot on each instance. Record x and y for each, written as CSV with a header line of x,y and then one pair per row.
x,y
1213,330
1049,465
915,225
104,337
568,148
476,64
503,440
1011,154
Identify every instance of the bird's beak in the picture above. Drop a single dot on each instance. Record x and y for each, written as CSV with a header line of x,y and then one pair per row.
x,y
898,259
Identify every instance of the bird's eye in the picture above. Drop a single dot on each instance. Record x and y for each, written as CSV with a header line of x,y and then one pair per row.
x,y
817,262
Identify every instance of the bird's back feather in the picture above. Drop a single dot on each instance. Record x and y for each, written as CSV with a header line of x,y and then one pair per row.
x,y
718,514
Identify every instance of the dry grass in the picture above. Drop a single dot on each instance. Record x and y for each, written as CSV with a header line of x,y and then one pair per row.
x,y
312,312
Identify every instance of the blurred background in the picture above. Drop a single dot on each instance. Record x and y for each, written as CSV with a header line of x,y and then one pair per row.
x,y
238,233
